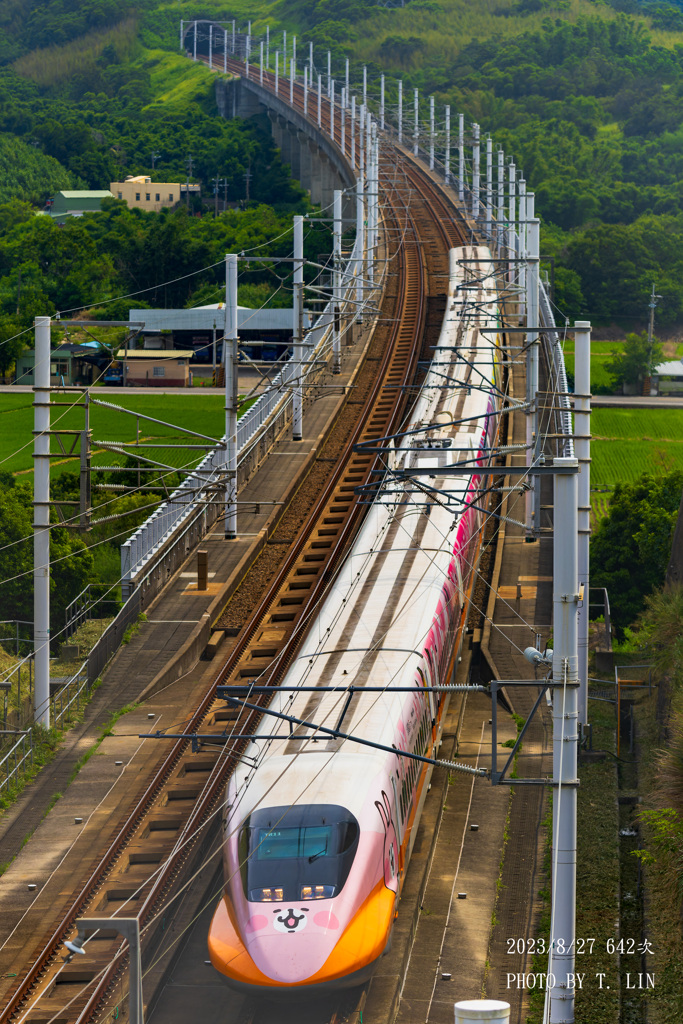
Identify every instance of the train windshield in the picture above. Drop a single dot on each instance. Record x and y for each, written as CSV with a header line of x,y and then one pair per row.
x,y
298,853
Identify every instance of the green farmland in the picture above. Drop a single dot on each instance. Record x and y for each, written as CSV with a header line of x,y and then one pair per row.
x,y
629,442
602,352
200,412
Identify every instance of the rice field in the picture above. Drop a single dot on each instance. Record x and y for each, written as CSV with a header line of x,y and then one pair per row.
x,y
628,443
201,412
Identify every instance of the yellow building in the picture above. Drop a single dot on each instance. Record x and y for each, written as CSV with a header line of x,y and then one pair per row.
x,y
141,191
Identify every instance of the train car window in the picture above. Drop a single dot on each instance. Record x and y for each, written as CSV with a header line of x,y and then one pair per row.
x,y
297,853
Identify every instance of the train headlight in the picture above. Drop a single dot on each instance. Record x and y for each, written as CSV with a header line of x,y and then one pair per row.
x,y
317,892
273,895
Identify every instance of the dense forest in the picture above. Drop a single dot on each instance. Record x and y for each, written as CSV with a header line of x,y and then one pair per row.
x,y
584,94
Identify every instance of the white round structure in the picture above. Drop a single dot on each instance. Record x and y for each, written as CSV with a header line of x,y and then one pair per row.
x,y
472,1010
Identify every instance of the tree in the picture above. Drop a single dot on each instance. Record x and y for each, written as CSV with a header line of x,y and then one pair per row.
x,y
636,360
630,548
72,564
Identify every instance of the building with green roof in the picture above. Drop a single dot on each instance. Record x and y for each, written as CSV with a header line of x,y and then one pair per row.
x,y
74,204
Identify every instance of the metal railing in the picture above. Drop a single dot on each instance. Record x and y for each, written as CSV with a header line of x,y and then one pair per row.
x,y
16,758
192,497
84,605
62,702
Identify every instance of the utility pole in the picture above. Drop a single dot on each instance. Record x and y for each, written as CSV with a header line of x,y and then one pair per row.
x,y
651,328
297,329
155,157
41,521
247,179
230,368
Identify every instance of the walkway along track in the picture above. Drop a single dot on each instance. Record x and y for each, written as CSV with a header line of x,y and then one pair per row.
x,y
169,823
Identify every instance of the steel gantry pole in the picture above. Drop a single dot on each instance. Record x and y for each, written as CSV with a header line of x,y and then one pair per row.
x,y
329,71
294,52
373,196
336,280
298,324
365,87
225,51
511,220
182,39
260,70
489,187
291,82
381,102
565,742
284,53
475,171
533,438
400,110
431,133
332,110
267,46
416,128
461,157
210,47
582,430
305,90
360,241
447,151
230,370
277,72
353,131
521,248
41,522
346,77
194,45
501,202
343,120
320,101
310,61
233,37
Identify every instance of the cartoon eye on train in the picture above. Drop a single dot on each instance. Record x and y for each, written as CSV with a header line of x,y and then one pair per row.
x,y
318,835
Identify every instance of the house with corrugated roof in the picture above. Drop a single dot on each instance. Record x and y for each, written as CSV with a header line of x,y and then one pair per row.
x,y
69,203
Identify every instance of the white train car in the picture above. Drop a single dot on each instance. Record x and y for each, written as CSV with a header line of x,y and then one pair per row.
x,y
319,835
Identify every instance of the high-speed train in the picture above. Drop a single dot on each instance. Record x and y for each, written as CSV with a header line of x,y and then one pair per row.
x,y
319,834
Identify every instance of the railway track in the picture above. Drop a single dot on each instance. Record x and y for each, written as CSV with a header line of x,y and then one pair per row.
x,y
171,826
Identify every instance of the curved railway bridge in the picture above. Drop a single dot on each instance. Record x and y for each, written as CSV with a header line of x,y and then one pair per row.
x,y
162,829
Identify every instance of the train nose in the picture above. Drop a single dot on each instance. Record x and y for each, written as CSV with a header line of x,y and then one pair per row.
x,y
290,957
